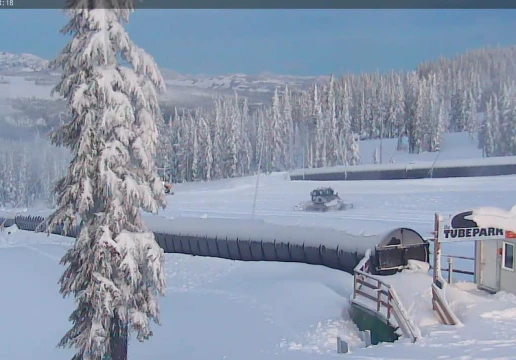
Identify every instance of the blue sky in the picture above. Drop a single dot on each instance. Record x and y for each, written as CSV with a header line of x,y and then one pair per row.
x,y
303,42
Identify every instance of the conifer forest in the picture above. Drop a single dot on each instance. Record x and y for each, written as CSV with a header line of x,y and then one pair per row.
x,y
316,127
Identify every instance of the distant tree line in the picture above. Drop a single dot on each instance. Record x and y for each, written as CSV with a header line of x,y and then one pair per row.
x,y
473,92
29,171
322,126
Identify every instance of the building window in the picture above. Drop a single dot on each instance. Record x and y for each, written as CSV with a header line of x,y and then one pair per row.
x,y
508,256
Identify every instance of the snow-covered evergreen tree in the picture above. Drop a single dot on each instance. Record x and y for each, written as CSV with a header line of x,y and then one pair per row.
x,y
354,153
115,267
321,158
488,139
234,137
334,152
471,115
288,152
23,179
438,97
348,146
376,156
277,135
206,149
441,123
261,151
196,158
246,131
218,141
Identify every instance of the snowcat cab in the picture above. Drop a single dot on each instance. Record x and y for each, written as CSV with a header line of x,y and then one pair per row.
x,y
324,199
323,195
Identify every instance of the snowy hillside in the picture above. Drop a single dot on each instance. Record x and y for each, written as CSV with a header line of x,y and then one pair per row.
x,y
264,83
454,146
21,62
218,309
26,75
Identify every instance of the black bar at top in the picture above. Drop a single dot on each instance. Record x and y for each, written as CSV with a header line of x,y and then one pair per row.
x,y
281,4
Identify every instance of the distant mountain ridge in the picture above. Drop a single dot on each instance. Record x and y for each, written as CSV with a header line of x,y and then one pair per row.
x,y
182,89
21,63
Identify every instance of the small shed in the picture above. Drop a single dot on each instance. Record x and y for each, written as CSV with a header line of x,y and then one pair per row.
x,y
495,247
396,248
495,269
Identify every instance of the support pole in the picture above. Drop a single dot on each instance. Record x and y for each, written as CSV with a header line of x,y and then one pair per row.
x,y
381,142
255,194
304,150
437,250
450,270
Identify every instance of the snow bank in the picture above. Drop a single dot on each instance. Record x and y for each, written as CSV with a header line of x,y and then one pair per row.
x,y
258,230
495,217
416,265
261,231
454,146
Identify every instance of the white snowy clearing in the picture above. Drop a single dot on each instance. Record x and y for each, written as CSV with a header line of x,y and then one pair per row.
x,y
220,309
454,146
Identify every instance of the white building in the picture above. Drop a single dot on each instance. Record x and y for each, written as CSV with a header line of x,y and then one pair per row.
x,y
495,244
494,265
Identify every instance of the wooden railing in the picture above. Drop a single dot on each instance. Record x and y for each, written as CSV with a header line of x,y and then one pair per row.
x,y
387,302
441,307
439,304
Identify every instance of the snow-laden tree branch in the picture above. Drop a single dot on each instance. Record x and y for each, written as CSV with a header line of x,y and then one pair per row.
x,y
115,268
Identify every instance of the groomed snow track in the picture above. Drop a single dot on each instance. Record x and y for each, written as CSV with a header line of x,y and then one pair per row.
x,y
246,240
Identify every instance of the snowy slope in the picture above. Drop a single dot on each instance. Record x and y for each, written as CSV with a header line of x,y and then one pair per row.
x,y
454,146
379,206
457,149
218,309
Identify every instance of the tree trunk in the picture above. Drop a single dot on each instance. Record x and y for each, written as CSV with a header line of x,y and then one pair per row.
x,y
119,339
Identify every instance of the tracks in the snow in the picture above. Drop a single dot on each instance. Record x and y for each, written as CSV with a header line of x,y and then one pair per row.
x,y
41,252
405,217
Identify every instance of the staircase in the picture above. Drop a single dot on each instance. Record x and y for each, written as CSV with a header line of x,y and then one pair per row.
x,y
376,295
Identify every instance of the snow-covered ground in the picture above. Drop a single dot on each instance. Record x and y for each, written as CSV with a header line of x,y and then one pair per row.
x,y
214,309
23,87
457,150
487,330
454,146
219,309
378,205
